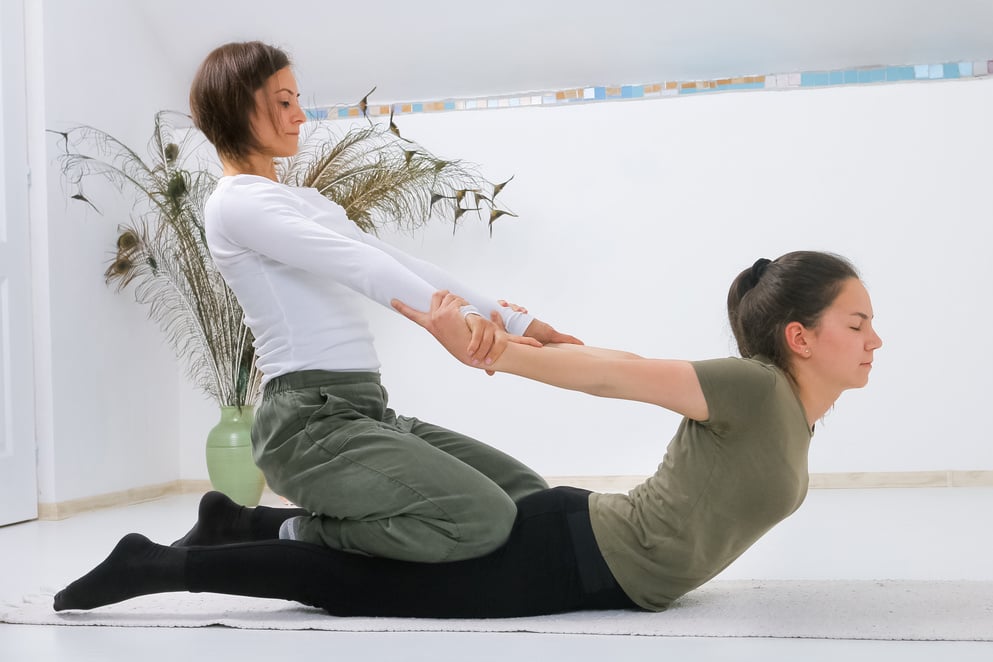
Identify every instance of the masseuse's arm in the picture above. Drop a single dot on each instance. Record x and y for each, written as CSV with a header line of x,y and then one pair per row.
x,y
605,373
269,220
516,319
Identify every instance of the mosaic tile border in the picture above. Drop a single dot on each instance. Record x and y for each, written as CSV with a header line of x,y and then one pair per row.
x,y
600,93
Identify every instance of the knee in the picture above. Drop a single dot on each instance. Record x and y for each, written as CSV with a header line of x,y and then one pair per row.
x,y
484,529
530,484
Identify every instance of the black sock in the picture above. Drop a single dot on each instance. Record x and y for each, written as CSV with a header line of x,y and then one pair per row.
x,y
221,521
137,566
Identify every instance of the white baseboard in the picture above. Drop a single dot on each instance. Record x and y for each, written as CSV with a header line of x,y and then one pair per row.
x,y
856,480
818,481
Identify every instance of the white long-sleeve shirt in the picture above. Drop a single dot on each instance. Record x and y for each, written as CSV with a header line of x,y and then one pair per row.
x,y
299,266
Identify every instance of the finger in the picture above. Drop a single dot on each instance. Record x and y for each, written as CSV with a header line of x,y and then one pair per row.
x,y
485,352
512,306
525,340
498,320
517,309
412,314
454,302
497,345
440,298
478,329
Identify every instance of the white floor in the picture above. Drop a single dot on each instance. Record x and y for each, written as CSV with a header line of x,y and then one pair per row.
x,y
851,534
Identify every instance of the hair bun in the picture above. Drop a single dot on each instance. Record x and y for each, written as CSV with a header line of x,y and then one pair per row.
x,y
758,269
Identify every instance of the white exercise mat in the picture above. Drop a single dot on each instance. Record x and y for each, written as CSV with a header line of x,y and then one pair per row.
x,y
885,610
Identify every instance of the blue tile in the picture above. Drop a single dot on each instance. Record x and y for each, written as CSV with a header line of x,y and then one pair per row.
x,y
812,78
851,76
837,77
935,71
965,68
743,86
342,112
627,92
599,93
951,70
922,71
449,105
899,73
417,108
873,75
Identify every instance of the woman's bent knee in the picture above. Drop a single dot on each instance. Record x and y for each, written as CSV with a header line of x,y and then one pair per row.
x,y
485,529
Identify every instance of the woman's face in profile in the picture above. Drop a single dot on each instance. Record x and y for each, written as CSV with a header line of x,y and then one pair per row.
x,y
277,117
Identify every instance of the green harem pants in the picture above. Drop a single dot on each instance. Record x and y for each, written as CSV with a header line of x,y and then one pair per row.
x,y
381,484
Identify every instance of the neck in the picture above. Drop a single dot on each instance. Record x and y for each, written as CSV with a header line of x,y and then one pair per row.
x,y
817,398
252,165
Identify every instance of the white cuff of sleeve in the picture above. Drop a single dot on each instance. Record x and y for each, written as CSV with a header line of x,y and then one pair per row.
x,y
469,309
517,323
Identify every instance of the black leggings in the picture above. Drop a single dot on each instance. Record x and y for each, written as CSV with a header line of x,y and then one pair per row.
x,y
549,564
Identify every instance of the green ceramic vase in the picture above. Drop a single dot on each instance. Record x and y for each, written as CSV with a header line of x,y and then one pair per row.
x,y
230,464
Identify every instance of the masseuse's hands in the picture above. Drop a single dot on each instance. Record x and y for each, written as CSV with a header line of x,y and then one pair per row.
x,y
486,344
456,333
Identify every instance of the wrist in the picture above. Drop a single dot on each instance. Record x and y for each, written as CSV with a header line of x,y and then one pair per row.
x,y
469,309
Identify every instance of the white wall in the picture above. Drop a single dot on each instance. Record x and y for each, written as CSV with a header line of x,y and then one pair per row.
x,y
113,383
635,217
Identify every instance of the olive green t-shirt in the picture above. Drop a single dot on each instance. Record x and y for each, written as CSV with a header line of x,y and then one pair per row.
x,y
722,484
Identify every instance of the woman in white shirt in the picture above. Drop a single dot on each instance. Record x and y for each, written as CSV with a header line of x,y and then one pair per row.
x,y
366,480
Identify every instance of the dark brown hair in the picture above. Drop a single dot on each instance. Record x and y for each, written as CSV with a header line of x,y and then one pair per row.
x,y
222,96
767,296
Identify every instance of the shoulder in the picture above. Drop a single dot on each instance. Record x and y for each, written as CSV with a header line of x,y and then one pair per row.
x,y
734,387
239,207
241,190
243,198
738,371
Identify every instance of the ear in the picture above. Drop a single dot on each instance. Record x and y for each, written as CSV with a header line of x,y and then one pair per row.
x,y
798,339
